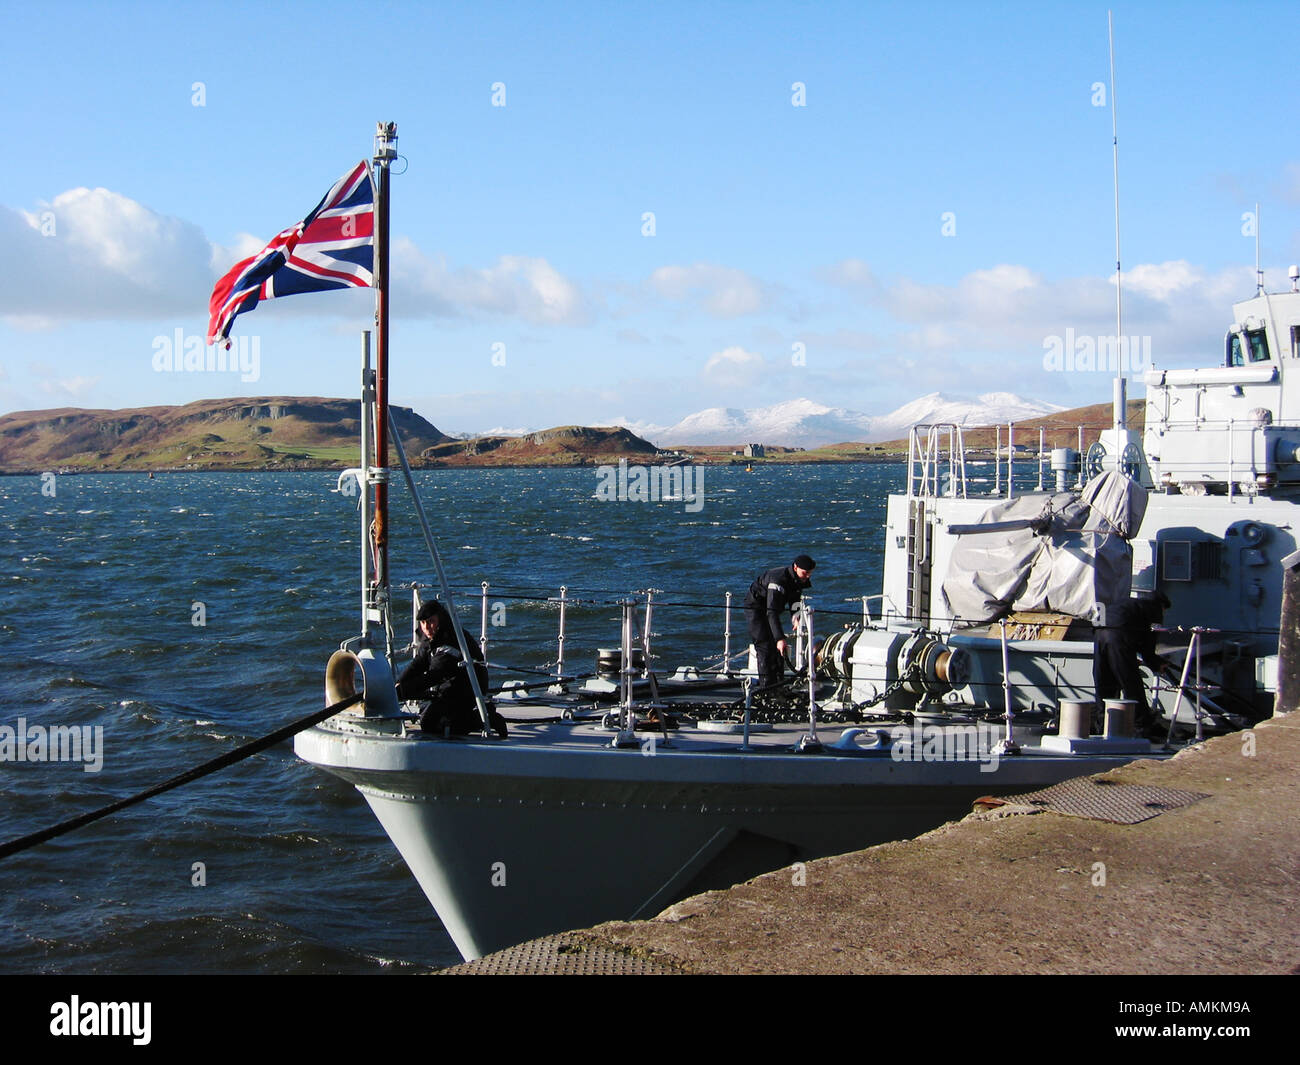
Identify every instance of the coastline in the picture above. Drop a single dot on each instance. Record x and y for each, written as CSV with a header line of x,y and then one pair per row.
x,y
803,459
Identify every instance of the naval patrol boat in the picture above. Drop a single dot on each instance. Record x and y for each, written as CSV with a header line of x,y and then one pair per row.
x,y
974,677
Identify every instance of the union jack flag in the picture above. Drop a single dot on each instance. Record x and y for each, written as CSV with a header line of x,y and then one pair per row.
x,y
333,247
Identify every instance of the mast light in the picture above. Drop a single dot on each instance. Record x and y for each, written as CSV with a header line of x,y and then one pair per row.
x,y
385,142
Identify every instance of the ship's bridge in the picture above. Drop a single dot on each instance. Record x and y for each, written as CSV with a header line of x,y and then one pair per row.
x,y
1234,427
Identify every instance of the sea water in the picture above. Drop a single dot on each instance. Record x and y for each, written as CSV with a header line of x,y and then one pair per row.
x,y
180,616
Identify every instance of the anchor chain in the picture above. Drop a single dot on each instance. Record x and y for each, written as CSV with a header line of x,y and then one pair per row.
x,y
790,707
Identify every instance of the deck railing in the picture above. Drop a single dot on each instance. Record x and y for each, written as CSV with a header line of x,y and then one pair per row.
x,y
938,456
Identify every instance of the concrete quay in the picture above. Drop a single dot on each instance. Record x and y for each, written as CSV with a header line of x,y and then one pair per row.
x,y
1205,888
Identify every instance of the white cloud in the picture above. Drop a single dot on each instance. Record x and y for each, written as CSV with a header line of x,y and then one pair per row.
x,y
994,297
223,258
31,323
1009,308
96,255
516,286
93,254
1179,279
850,273
734,368
721,290
73,388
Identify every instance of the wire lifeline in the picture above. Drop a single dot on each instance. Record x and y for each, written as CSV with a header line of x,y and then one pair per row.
x,y
545,597
204,769
659,603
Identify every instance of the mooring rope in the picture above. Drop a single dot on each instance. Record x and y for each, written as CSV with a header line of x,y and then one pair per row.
x,y
211,766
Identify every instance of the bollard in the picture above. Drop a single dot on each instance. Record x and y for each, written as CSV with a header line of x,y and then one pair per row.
x,y
1076,719
1120,715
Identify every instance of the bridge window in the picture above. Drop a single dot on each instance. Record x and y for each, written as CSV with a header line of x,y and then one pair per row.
x,y
1235,356
1258,342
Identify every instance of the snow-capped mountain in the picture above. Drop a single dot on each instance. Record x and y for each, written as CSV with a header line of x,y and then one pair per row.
x,y
805,423
794,423
992,408
497,431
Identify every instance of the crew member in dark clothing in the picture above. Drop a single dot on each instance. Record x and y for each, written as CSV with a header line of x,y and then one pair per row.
x,y
1118,645
436,673
773,592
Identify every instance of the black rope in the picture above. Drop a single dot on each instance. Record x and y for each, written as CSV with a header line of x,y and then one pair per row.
x,y
211,766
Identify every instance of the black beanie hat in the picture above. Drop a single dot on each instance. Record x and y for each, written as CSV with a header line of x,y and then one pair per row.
x,y
804,562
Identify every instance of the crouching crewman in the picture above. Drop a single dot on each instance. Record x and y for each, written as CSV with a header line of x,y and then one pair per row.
x,y
437,674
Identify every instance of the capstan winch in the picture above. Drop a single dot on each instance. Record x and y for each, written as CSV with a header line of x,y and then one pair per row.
x,y
908,669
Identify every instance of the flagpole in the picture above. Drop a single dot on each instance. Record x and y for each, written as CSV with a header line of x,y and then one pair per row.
x,y
385,153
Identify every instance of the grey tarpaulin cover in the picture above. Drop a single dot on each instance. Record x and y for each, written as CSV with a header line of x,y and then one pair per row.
x,y
1117,504
1081,561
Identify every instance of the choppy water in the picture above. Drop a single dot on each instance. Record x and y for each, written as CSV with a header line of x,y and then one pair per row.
x,y
100,590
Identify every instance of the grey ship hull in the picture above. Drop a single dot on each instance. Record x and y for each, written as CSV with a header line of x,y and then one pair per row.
x,y
554,829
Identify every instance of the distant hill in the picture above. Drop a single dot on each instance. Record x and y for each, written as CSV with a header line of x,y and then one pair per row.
x,y
804,424
276,432
1060,429
566,445
273,433
287,433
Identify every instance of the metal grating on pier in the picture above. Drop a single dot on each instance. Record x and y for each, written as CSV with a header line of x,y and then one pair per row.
x,y
1106,800
562,955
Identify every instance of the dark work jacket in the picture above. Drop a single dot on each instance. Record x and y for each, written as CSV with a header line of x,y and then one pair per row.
x,y
435,673
773,592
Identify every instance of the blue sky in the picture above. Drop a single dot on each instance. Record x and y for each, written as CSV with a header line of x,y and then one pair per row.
x,y
129,190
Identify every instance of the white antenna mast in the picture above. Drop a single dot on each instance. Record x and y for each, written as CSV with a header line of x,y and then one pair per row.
x,y
1121,397
1259,274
